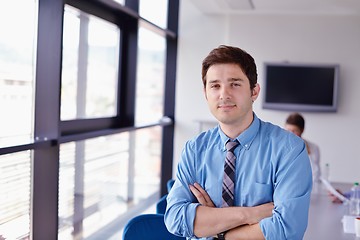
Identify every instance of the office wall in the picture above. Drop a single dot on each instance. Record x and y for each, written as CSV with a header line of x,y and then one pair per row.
x,y
293,38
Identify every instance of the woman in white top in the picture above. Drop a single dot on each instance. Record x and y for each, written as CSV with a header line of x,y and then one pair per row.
x,y
295,123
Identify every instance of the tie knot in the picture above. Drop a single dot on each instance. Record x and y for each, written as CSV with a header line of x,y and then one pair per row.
x,y
231,145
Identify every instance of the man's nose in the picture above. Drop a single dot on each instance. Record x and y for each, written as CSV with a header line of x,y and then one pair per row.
x,y
224,93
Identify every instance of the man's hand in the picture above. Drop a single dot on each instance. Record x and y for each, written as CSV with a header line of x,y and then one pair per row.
x,y
255,214
335,199
259,212
201,195
240,219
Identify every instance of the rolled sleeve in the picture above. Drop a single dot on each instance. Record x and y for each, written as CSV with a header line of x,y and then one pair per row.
x,y
181,204
179,219
291,198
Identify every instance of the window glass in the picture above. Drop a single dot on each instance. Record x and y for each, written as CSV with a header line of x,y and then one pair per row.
x,y
154,11
101,178
120,1
92,184
90,66
150,77
147,162
15,172
17,64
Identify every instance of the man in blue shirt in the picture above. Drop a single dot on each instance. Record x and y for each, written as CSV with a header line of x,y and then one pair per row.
x,y
273,178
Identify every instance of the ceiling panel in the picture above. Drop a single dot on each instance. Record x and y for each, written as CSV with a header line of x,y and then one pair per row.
x,y
333,7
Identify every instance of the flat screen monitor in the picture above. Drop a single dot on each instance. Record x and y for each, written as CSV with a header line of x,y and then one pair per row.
x,y
301,87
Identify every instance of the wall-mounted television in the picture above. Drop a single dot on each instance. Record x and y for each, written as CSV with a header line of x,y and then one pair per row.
x,y
301,87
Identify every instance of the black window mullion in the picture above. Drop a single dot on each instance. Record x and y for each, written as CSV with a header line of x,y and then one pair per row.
x,y
45,168
169,98
127,81
132,4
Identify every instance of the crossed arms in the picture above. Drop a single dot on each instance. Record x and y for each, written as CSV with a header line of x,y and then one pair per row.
x,y
239,222
285,181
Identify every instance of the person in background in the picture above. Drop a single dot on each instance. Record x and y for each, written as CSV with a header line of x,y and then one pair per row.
x,y
335,199
295,123
272,179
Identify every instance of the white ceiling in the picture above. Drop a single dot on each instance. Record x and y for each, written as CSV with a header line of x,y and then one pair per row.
x,y
332,7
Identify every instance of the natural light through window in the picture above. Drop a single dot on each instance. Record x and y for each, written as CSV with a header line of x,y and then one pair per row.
x,y
90,66
154,11
17,64
150,77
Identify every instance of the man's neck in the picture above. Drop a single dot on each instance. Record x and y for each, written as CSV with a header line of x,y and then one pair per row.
x,y
234,130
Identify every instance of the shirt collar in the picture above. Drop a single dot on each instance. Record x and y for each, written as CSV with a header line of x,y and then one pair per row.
x,y
245,138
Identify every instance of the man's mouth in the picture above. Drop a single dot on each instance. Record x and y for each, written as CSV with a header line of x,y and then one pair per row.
x,y
226,106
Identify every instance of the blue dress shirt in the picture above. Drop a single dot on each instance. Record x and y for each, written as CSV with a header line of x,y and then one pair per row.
x,y
272,165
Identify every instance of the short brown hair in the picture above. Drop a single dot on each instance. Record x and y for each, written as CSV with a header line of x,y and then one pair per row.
x,y
297,120
229,54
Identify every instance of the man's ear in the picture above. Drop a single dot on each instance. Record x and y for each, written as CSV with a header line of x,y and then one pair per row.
x,y
255,92
204,89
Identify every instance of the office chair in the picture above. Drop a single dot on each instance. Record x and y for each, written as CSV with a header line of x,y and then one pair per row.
x,y
169,184
148,227
161,204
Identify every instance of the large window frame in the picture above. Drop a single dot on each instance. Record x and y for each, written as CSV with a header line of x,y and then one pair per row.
x,y
50,131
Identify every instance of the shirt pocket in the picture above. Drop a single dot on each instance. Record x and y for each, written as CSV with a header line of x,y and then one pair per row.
x,y
258,193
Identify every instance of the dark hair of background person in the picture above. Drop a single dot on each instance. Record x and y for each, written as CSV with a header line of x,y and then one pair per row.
x,y
297,120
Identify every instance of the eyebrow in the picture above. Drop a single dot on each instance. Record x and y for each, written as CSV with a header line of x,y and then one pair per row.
x,y
236,80
213,81
229,80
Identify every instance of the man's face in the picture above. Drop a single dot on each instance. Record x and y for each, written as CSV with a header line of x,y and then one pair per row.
x,y
228,93
294,129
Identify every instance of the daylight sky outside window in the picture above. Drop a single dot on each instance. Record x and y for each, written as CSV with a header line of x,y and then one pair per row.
x,y
90,66
120,1
17,64
150,77
155,11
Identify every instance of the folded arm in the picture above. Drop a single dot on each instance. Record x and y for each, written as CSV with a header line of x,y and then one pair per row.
x,y
240,222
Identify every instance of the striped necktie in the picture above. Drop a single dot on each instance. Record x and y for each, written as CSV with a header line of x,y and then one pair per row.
x,y
229,175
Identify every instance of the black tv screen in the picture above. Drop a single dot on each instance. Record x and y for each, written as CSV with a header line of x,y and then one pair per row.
x,y
301,87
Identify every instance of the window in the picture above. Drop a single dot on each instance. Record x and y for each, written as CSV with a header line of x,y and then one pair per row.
x,y
90,66
17,48
17,70
15,182
92,184
100,176
76,77
154,11
150,77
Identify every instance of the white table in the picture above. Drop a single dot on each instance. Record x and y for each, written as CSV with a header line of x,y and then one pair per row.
x,y
325,216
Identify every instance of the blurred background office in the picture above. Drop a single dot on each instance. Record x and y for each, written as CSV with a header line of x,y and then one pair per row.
x,y
317,32
98,98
